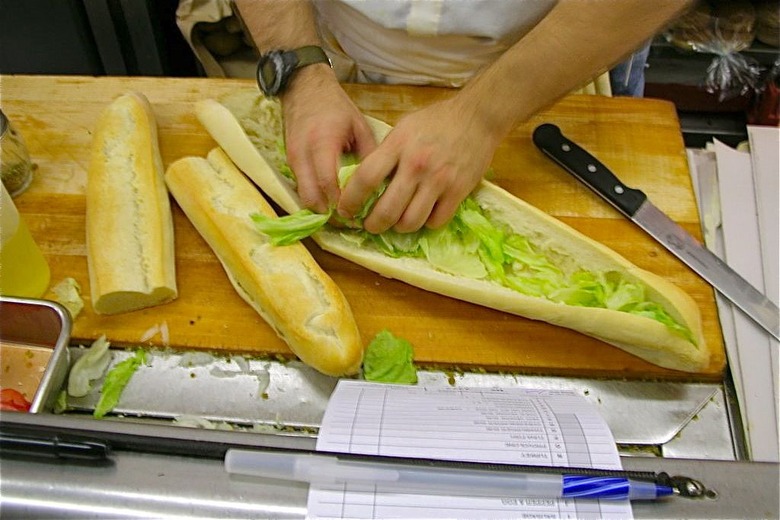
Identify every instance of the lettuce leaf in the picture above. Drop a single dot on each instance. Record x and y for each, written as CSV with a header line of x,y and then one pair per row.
x,y
345,173
293,228
490,236
89,367
656,312
284,168
399,244
389,359
447,252
290,229
115,382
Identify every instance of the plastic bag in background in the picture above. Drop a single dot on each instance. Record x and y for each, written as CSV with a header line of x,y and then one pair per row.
x,y
768,22
722,28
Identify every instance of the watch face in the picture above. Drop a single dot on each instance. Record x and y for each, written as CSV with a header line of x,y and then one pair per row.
x,y
270,74
275,68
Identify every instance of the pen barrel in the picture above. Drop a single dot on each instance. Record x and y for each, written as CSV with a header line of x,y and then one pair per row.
x,y
405,478
399,478
611,488
476,483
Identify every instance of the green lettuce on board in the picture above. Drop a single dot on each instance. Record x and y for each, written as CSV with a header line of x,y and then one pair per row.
x,y
473,245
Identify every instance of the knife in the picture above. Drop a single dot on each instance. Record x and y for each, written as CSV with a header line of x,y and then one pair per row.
x,y
635,205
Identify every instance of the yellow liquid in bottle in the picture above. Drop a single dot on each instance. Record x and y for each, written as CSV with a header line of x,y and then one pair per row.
x,y
23,269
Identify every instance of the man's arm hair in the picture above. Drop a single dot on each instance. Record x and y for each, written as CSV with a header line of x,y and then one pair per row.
x,y
575,43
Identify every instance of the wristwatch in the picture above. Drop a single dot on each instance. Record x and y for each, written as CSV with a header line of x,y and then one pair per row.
x,y
276,68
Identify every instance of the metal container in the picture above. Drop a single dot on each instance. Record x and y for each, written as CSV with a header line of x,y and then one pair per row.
x,y
38,325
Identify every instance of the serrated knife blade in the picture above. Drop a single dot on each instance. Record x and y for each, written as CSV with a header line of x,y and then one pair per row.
x,y
635,205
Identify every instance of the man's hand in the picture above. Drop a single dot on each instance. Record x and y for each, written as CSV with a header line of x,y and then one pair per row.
x,y
436,156
321,123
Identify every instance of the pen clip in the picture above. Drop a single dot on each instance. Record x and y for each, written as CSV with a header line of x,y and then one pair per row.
x,y
686,486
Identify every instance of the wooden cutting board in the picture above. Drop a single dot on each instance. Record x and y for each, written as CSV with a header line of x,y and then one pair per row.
x,y
639,139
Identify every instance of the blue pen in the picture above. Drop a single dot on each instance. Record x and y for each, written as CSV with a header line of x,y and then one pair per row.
x,y
329,470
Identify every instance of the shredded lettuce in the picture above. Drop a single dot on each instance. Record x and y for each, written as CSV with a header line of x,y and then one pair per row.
x,y
472,245
389,359
490,236
89,367
446,251
283,167
398,244
115,382
348,168
61,403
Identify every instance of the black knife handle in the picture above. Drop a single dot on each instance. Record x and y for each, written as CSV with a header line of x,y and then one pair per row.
x,y
577,161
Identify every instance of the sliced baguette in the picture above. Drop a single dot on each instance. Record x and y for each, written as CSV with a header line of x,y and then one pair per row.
x,y
130,244
284,285
643,337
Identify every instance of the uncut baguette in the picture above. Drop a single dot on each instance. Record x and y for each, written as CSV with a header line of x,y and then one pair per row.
x,y
284,285
643,337
130,244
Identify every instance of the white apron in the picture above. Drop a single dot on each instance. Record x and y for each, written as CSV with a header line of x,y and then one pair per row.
x,y
422,42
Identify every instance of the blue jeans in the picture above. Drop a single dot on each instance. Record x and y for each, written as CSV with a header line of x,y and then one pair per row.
x,y
628,78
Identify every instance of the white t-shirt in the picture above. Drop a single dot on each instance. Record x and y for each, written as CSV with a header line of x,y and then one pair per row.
x,y
423,42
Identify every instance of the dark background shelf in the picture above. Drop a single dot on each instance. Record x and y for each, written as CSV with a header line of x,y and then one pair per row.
x,y
679,76
140,37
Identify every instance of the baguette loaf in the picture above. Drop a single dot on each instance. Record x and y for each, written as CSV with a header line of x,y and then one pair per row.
x,y
130,249
247,126
284,285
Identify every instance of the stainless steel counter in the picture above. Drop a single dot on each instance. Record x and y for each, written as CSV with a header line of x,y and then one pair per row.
x,y
180,413
666,418
149,485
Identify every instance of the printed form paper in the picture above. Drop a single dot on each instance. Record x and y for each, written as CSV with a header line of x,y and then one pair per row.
x,y
498,425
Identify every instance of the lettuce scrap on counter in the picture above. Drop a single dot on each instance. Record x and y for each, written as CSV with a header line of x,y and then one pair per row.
x,y
389,359
115,382
89,367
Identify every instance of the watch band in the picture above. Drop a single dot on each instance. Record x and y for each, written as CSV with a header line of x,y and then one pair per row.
x,y
276,68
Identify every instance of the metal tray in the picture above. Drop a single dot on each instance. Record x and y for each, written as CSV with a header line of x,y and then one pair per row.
x,y
214,390
42,324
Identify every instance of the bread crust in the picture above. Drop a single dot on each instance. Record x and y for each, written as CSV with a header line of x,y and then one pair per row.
x,y
284,285
643,337
130,242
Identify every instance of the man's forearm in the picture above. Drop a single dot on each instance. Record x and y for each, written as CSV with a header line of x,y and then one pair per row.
x,y
286,24
576,42
279,24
